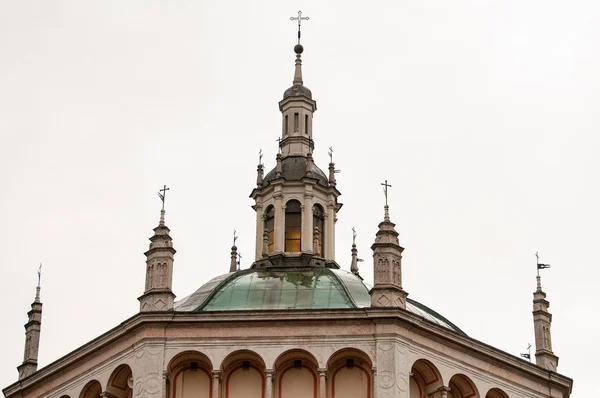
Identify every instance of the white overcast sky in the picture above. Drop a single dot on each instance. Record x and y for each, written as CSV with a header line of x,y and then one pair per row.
x,y
483,115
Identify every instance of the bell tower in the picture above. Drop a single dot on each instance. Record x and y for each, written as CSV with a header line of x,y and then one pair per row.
x,y
296,203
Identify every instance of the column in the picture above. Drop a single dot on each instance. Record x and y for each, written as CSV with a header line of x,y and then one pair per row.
x,y
216,383
322,383
279,223
307,223
269,385
260,226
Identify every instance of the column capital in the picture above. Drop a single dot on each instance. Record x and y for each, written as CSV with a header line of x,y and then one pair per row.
x,y
216,374
322,372
269,372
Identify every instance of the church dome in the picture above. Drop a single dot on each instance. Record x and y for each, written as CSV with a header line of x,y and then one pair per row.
x,y
296,289
293,168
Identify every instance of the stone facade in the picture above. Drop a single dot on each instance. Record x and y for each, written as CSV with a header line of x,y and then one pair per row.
x,y
397,349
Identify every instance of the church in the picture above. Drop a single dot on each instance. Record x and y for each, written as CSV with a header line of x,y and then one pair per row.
x,y
294,324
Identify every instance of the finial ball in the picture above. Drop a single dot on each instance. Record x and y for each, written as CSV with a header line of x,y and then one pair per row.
x,y
298,49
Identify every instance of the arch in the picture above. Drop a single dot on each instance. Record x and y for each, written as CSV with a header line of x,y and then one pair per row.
x,y
269,226
319,222
462,387
425,378
64,396
190,375
350,374
92,389
243,375
120,382
293,226
296,374
496,393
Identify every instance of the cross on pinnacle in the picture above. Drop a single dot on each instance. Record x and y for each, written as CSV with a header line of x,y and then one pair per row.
x,y
330,154
234,237
385,190
39,275
260,155
353,236
162,195
299,18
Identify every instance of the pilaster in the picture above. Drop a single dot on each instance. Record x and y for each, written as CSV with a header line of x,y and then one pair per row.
x,y
260,227
279,221
307,220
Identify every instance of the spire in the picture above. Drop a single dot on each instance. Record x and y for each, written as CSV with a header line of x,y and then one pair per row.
x,y
297,108
32,334
332,170
355,259
542,319
160,257
298,49
233,264
234,255
387,257
259,170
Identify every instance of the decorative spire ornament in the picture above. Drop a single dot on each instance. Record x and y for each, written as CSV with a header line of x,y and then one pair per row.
x,y
158,294
355,259
542,319
387,263
32,334
234,255
259,170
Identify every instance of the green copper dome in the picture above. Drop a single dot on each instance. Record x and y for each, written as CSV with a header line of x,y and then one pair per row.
x,y
293,289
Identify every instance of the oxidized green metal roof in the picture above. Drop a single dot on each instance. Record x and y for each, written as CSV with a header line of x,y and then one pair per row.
x,y
291,289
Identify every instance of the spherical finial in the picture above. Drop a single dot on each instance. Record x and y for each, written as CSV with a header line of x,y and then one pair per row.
x,y
298,49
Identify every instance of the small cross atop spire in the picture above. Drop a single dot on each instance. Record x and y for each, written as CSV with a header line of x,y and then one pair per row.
x,y
235,237
385,191
39,276
353,236
260,156
163,195
299,18
278,144
330,154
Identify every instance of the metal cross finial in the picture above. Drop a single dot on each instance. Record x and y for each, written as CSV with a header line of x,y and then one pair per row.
x,y
260,156
39,275
234,237
239,259
279,144
330,154
540,266
354,236
385,190
299,18
162,195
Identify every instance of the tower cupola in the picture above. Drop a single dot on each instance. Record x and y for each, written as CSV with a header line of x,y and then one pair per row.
x,y
296,202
